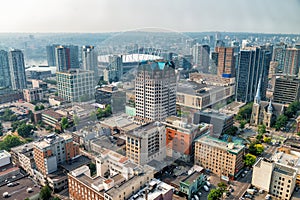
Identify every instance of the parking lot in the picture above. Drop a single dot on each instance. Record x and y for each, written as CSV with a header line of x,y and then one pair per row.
x,y
20,191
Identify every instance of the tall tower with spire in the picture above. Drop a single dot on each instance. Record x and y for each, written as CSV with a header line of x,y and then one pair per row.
x,y
256,106
268,115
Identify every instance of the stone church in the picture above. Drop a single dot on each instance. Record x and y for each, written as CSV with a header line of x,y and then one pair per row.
x,y
265,112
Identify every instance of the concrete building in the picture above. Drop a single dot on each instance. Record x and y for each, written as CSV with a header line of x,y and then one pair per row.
x,y
277,179
114,70
221,122
201,57
220,157
286,90
211,79
5,158
89,60
83,186
66,58
39,84
76,85
180,137
291,61
226,62
192,183
54,150
5,81
253,64
33,94
22,156
155,91
146,143
201,95
113,96
17,69
51,58
52,118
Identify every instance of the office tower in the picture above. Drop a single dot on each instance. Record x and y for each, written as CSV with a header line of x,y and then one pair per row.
x,y
253,63
76,85
52,151
220,157
114,71
214,57
226,62
286,90
185,61
89,60
146,143
17,69
5,81
279,55
51,54
66,58
201,56
220,43
155,91
291,61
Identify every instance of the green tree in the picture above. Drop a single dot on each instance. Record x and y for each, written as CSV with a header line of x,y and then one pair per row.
x,y
45,193
93,169
93,116
261,129
64,123
232,130
36,108
281,121
56,198
243,123
259,137
214,194
8,115
259,149
267,139
1,129
292,109
222,186
249,159
25,130
245,112
9,142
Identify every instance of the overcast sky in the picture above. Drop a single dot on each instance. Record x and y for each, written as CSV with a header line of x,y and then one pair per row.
x,y
271,16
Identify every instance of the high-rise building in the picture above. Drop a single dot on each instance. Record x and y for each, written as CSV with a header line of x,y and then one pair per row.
x,y
155,91
253,63
5,81
17,69
291,61
226,62
76,85
54,150
51,54
89,59
66,58
286,90
201,56
114,71
279,55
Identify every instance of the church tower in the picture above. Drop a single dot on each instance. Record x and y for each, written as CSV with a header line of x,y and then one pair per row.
x,y
268,115
256,106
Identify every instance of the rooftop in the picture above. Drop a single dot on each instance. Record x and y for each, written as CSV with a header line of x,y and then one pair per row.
x,y
217,143
214,113
178,123
52,114
51,139
195,175
4,154
143,130
289,171
117,121
130,58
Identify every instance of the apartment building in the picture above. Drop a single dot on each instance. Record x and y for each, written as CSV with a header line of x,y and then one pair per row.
x,y
33,94
220,157
146,143
23,157
53,150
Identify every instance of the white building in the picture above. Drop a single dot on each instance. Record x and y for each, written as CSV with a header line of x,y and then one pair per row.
x,y
76,85
4,158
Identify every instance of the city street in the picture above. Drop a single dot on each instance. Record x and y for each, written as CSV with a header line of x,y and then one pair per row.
x,y
241,185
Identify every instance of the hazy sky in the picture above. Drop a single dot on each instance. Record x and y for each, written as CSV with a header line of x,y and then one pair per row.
x,y
272,16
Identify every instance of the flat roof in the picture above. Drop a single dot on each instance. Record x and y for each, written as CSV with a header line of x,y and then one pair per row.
x,y
117,121
76,163
130,58
191,177
4,154
217,143
214,113
142,130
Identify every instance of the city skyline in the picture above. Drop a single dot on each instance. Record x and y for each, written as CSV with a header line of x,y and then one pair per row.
x,y
182,16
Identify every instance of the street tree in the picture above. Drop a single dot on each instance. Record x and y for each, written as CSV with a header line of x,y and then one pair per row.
x,y
249,159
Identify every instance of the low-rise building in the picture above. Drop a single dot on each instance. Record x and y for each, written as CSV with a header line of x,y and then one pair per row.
x,y
52,118
180,137
220,157
192,183
221,122
5,158
146,143
23,157
33,94
277,179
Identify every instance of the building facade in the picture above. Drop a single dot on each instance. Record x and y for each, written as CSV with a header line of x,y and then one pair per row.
x,y
5,81
89,60
226,62
54,150
286,90
291,61
66,58
253,63
155,91
114,71
17,69
220,157
201,56
51,57
146,143
76,85
33,94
